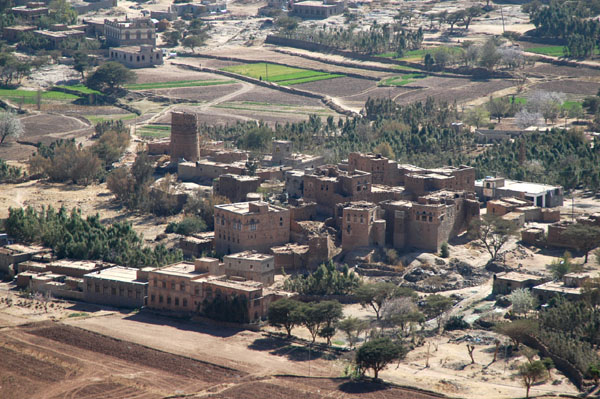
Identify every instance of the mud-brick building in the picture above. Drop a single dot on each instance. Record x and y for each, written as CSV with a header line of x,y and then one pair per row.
x,y
430,221
31,12
361,225
246,226
236,187
137,57
170,288
131,32
116,286
507,282
328,186
13,254
250,265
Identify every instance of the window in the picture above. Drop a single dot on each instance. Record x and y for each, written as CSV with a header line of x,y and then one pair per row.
x,y
160,299
185,302
362,220
347,217
152,298
253,227
121,291
164,284
182,287
113,291
168,300
97,287
130,293
176,301
155,282
172,285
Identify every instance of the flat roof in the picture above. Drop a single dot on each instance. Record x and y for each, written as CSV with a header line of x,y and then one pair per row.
x,y
516,276
559,287
244,207
24,249
360,205
183,269
77,264
520,186
250,255
238,285
117,273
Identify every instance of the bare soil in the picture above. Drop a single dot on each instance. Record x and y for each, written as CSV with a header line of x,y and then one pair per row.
x,y
569,86
338,87
199,93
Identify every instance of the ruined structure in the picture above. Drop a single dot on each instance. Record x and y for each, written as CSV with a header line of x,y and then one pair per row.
x,y
185,142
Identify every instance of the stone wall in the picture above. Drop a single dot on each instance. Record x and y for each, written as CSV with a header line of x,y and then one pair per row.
x,y
184,137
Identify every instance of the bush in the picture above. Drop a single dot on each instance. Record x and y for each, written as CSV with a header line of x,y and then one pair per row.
x,y
444,251
187,226
9,174
326,280
456,323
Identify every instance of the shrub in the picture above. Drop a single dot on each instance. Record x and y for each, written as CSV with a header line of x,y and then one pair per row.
x,y
187,226
456,323
444,251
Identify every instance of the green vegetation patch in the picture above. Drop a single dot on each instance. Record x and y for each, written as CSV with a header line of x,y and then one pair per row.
x,y
417,55
30,96
80,88
155,131
103,118
554,51
177,83
401,80
283,75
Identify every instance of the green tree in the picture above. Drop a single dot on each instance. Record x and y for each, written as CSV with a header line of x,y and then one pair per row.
x,y
470,13
436,305
352,327
522,301
377,353
498,107
61,12
375,295
517,330
110,76
476,116
194,41
530,373
284,313
564,265
489,55
493,232
81,62
583,237
444,251
172,38
318,315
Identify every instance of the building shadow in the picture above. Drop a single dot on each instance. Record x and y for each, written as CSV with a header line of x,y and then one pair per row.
x,y
215,330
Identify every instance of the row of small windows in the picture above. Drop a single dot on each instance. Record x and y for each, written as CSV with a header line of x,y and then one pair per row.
x,y
113,291
161,299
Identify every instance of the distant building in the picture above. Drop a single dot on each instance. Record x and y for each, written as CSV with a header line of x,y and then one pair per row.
x,y
131,32
507,282
137,57
117,286
58,36
250,226
13,33
31,12
542,195
318,9
13,254
236,187
199,9
361,225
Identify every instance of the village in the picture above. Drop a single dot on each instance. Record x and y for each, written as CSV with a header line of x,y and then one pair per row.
x,y
240,199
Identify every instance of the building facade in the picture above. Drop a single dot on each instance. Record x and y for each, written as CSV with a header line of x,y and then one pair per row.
x,y
144,56
131,32
246,226
116,286
250,265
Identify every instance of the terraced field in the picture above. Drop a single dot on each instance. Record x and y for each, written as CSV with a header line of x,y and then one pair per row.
x,y
283,75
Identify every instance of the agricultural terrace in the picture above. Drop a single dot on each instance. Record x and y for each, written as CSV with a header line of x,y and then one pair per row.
x,y
282,75
30,96
400,80
418,55
176,84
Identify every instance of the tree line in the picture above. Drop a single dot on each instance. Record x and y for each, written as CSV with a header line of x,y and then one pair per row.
x,y
70,235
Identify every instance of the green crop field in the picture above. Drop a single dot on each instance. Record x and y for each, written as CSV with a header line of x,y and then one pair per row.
x,y
554,51
80,88
30,96
177,83
102,118
401,80
155,131
283,75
